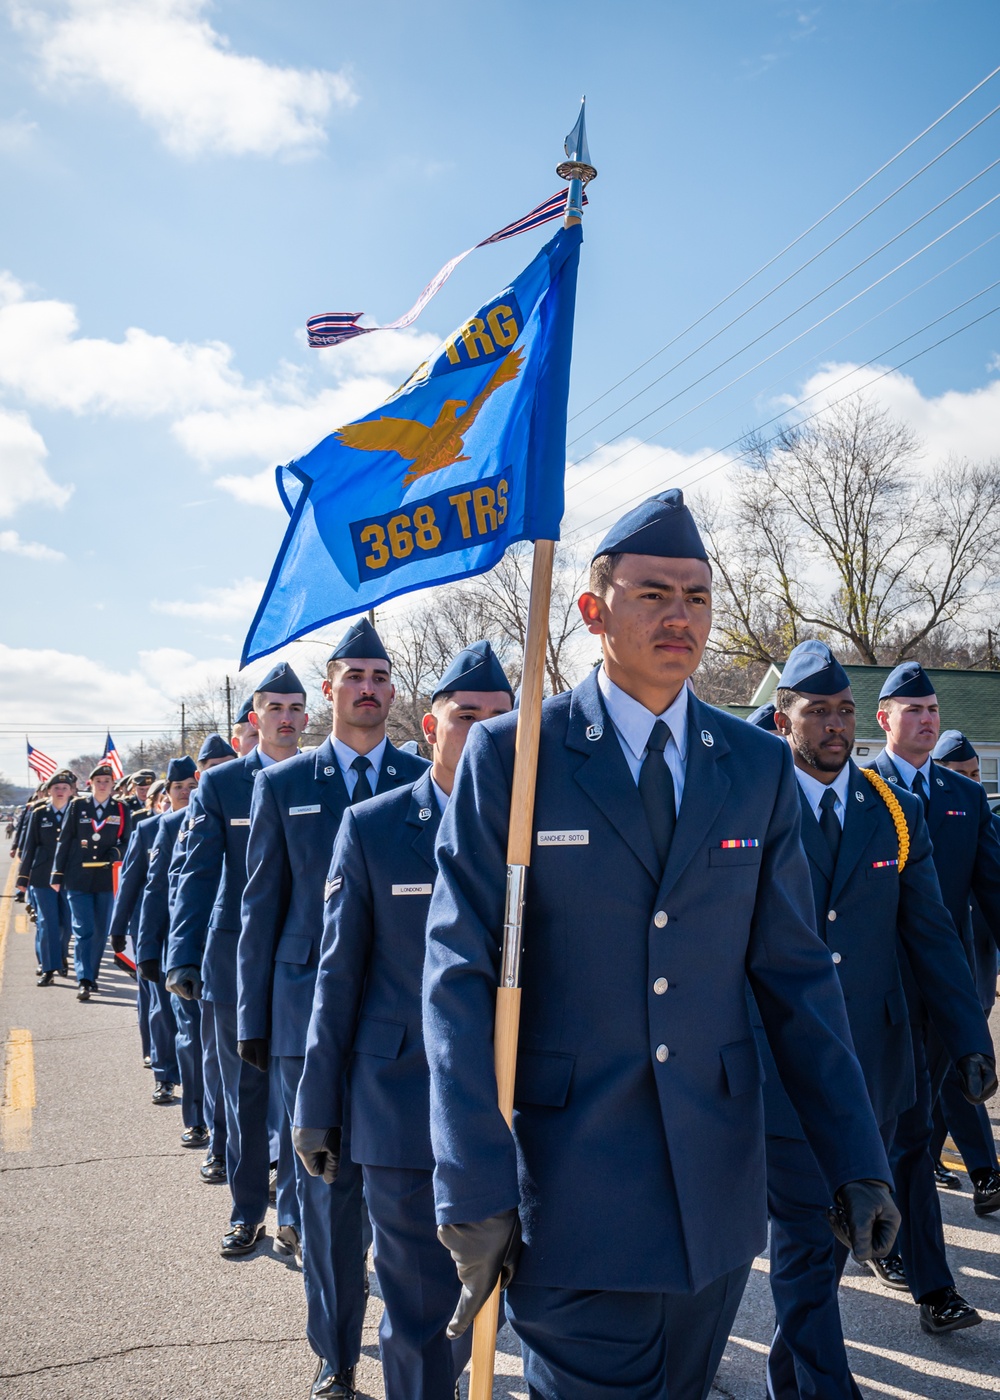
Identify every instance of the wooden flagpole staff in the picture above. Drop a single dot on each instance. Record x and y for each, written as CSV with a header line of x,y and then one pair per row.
x,y
578,171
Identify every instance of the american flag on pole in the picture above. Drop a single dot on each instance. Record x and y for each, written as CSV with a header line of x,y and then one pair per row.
x,y
334,327
41,764
111,756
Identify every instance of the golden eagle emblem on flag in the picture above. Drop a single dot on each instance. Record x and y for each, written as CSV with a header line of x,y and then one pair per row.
x,y
430,449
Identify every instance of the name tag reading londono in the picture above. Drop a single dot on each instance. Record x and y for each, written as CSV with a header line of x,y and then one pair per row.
x,y
412,889
564,838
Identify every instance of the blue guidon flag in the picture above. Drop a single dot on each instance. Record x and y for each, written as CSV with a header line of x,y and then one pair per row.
x,y
462,461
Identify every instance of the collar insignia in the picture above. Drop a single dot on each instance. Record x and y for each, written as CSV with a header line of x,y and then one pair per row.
x,y
424,814
390,770
595,732
706,738
860,797
329,772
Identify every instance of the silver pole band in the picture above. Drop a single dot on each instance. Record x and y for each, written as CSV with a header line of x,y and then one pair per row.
x,y
513,921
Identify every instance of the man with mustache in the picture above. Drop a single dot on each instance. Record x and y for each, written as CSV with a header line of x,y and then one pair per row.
x,y
667,872
967,860
294,816
875,893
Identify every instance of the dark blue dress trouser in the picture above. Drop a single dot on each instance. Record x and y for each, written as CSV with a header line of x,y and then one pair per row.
x,y
162,1035
808,1359
142,1013
969,1125
245,1091
91,915
187,1015
215,1103
333,1260
419,1286
53,926
639,1346
920,1241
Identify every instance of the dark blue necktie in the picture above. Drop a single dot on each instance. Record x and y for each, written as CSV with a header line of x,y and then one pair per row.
x,y
362,788
656,788
828,823
920,790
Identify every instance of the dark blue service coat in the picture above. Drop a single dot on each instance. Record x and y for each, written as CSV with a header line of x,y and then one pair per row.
x,y
40,839
132,879
638,1077
154,917
864,910
296,810
205,928
366,1010
966,854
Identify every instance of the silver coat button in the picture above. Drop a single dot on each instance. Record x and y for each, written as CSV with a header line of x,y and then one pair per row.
x,y
836,957
660,919
832,916
662,1053
660,986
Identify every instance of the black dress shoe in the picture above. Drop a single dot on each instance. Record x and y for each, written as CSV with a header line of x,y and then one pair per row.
x,y
38,969
890,1271
286,1241
272,1185
163,1093
147,1063
949,1312
213,1170
195,1137
986,1193
45,980
84,990
64,969
945,1178
240,1240
332,1385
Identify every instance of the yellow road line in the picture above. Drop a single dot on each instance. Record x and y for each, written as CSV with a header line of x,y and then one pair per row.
x,y
6,914
18,1092
22,924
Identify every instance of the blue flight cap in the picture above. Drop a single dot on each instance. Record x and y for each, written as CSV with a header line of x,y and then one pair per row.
x,y
812,667
953,747
180,768
763,718
215,747
411,746
245,708
909,681
663,526
475,668
359,643
281,680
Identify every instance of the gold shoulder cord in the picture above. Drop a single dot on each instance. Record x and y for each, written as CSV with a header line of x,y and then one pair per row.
x,y
895,811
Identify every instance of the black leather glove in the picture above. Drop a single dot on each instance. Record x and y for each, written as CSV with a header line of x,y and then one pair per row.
x,y
255,1052
19,896
485,1252
185,982
979,1077
865,1218
319,1150
149,970
117,943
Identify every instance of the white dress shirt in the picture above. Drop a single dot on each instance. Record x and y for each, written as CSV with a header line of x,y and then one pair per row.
x,y
346,756
814,791
907,771
441,795
266,761
634,723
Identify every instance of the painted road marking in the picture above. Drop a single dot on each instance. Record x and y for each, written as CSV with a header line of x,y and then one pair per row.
x,y
6,914
21,923
18,1092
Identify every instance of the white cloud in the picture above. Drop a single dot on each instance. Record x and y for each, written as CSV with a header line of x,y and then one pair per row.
x,y
165,60
43,358
234,602
951,424
256,490
17,134
23,478
11,543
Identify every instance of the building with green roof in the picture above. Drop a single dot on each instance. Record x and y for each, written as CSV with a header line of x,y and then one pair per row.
x,y
969,700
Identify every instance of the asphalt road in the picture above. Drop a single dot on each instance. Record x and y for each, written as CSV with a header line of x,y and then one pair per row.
x,y
112,1286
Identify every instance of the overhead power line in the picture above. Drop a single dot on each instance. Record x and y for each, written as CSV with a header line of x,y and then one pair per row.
x,y
795,241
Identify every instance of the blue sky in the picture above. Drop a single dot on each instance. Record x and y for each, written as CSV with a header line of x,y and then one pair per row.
x,y
184,183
